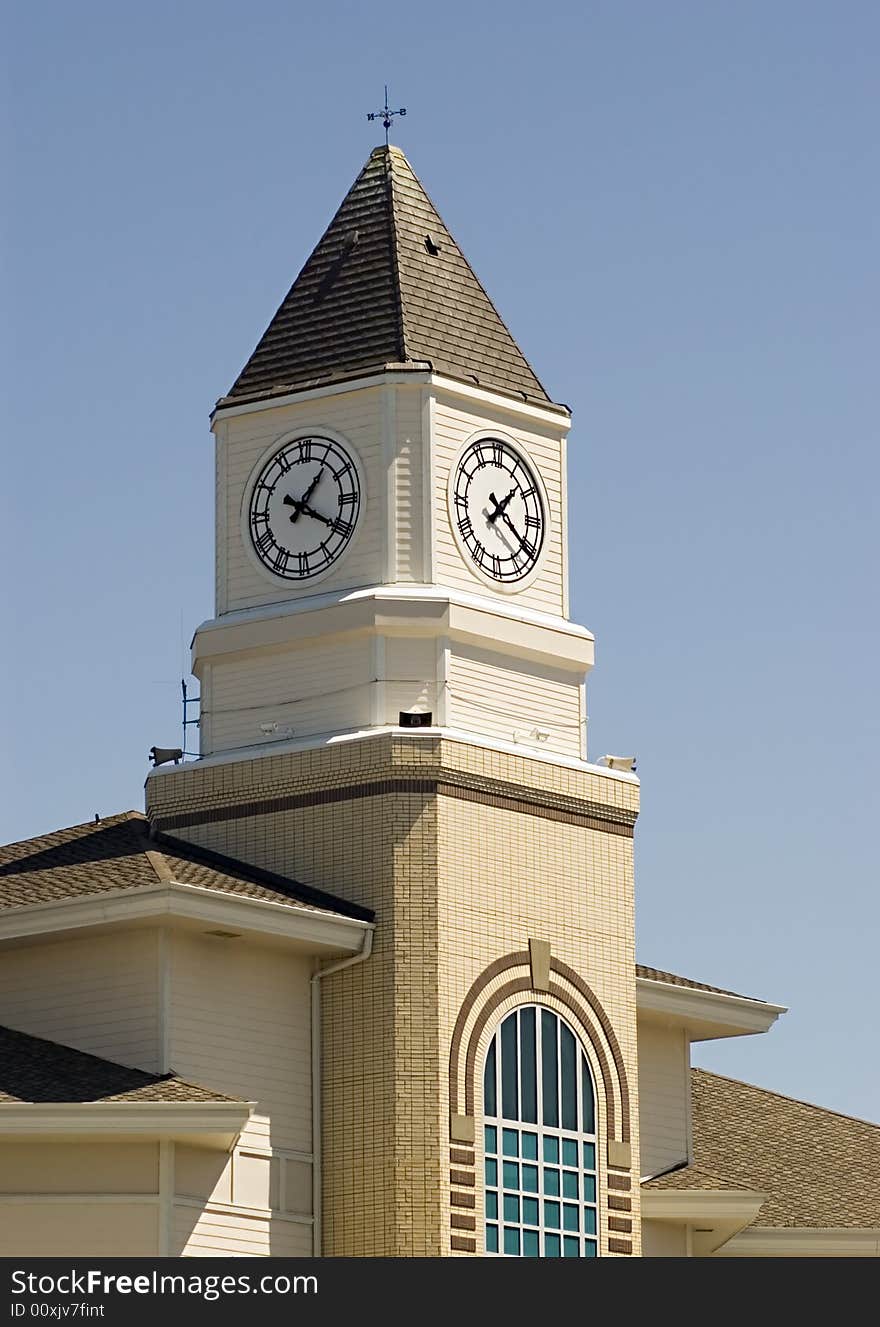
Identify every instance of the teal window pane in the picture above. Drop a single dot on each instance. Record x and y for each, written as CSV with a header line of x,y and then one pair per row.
x,y
589,1248
551,1215
511,1240
590,1220
530,1244
491,1171
569,1184
568,1060
551,1150
589,1156
571,1247
489,1102
552,1246
530,1211
510,1142
570,1217
491,1239
530,1146
530,1179
511,1175
528,1067
492,1205
569,1152
551,1182
511,1207
509,1075
549,1067
491,1138
589,1100
589,1189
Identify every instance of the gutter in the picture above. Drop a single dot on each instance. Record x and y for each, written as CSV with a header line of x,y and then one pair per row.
x,y
317,1106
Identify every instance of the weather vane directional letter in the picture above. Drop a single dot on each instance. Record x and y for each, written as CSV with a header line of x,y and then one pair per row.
x,y
385,115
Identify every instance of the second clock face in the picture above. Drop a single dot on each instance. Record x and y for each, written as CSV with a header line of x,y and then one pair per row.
x,y
304,507
497,510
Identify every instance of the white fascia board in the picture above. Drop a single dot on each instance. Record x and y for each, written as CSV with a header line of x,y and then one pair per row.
x,y
167,901
389,594
803,1242
315,741
706,1014
690,1205
559,416
219,1121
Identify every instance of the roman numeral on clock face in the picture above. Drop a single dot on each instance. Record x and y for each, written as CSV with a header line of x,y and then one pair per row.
x,y
303,507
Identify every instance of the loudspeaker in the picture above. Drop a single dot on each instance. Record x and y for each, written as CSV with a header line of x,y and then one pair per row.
x,y
415,720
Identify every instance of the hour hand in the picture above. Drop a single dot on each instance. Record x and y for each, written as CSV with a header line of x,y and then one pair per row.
x,y
500,507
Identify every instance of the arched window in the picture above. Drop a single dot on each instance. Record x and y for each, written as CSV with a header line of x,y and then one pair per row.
x,y
539,1112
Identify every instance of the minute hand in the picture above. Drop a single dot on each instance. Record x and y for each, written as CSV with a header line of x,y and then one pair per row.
x,y
523,542
310,511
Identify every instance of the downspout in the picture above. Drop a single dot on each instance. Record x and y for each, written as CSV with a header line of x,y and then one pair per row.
x,y
315,989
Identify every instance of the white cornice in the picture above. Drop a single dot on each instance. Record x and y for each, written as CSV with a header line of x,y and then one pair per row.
x,y
214,1123
559,416
803,1242
702,1204
172,901
390,594
705,1014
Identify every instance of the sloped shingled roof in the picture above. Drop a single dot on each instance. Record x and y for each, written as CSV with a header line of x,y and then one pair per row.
x,y
118,852
818,1168
673,979
35,1070
386,285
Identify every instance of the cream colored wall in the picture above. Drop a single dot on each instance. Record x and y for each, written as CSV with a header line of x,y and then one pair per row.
x,y
48,1207
664,1094
98,995
496,696
662,1239
252,1203
453,425
216,1234
240,1025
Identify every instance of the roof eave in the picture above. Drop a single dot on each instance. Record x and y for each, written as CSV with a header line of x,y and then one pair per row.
x,y
324,933
215,1124
705,1015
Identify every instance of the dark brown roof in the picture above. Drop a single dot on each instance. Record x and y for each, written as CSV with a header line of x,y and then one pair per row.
x,y
386,285
119,853
672,979
32,1070
818,1168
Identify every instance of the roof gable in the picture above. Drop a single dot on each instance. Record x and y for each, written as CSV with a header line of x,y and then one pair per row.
x,y
386,285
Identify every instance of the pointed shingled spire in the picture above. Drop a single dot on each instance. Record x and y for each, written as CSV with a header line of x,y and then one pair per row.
x,y
386,285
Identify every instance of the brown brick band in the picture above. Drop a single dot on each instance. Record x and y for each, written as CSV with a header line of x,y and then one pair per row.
x,y
460,1222
621,1223
462,1244
525,801
619,1182
463,1200
459,1156
463,1177
619,1204
521,959
620,1246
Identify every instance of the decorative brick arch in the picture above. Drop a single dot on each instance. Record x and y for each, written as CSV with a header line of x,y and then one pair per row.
x,y
573,992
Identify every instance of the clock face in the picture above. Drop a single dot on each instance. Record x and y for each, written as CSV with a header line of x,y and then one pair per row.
x,y
497,510
304,507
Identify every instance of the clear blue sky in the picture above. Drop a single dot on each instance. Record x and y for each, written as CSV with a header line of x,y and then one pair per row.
x,y
674,206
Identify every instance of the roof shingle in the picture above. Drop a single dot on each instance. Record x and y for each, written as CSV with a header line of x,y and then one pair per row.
x,y
672,979
818,1168
33,1069
386,285
118,853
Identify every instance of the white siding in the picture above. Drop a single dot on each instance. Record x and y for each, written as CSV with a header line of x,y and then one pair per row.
x,y
210,1233
663,1239
664,1086
489,694
240,1025
98,995
411,676
357,417
409,524
453,426
316,688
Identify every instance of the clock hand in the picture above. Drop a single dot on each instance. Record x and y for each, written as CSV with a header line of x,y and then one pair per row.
x,y
301,504
523,543
500,507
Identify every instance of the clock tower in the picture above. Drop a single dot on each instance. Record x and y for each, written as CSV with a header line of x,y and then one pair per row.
x,y
393,710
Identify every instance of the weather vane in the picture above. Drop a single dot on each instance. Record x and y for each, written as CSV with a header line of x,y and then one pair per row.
x,y
386,115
